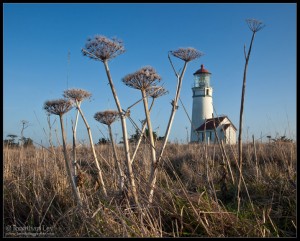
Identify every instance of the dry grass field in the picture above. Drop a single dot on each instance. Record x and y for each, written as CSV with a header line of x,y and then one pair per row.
x,y
195,194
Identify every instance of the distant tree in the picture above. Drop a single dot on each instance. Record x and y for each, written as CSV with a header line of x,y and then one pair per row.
x,y
153,133
160,138
27,142
103,141
282,139
11,142
7,142
134,137
12,137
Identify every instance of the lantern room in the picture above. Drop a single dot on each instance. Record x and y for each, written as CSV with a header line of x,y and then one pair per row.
x,y
202,78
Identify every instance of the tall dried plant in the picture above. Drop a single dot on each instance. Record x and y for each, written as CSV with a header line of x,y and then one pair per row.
x,y
187,55
77,96
255,26
107,117
73,94
60,107
144,79
104,49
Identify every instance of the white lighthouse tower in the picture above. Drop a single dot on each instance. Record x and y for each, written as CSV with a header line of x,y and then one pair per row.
x,y
202,101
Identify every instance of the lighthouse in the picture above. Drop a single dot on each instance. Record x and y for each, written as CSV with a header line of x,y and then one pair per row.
x,y
205,126
202,101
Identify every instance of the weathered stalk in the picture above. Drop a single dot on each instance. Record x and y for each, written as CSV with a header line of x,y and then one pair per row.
x,y
153,152
254,26
240,147
125,136
118,164
67,162
93,148
74,129
141,134
154,172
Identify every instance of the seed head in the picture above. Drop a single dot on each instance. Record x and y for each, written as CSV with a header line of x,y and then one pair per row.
x,y
77,94
187,54
255,25
107,117
156,91
142,79
102,48
58,107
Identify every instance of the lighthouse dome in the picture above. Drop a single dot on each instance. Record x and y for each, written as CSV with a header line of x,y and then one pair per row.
x,y
202,70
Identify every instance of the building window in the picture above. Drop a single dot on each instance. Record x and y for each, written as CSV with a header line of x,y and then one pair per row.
x,y
207,91
210,134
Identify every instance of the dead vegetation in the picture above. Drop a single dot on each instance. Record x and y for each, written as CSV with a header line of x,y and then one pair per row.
x,y
188,200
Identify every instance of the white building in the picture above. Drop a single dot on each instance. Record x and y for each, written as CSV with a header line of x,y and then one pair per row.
x,y
204,124
221,126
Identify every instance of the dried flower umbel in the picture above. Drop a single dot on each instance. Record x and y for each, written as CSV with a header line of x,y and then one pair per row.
x,y
58,107
102,48
142,79
156,91
186,54
255,25
106,117
77,94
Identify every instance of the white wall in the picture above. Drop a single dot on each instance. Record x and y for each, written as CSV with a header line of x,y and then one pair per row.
x,y
202,109
229,134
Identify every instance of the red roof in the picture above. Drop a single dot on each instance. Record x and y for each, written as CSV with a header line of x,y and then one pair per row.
x,y
209,123
202,70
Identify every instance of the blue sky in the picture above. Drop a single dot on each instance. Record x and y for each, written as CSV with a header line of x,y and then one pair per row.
x,y
38,37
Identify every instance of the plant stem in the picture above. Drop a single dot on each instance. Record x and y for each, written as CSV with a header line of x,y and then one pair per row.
x,y
141,135
174,108
74,128
118,164
240,160
93,148
153,152
255,157
73,185
125,136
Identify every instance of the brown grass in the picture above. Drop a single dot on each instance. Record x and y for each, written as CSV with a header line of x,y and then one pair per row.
x,y
188,200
